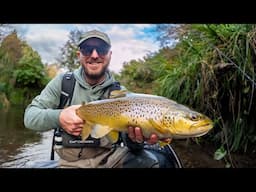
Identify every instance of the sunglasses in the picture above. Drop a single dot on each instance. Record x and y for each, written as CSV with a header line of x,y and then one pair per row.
x,y
101,50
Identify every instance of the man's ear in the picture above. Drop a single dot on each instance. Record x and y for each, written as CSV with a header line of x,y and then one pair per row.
x,y
78,53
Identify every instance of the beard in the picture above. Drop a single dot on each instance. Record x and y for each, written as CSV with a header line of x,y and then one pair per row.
x,y
98,75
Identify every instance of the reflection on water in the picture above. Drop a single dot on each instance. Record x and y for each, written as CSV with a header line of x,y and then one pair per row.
x,y
21,147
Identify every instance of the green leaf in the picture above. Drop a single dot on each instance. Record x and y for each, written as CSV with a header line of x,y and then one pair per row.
x,y
220,153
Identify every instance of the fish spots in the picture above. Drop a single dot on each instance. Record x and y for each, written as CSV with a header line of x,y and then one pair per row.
x,y
147,112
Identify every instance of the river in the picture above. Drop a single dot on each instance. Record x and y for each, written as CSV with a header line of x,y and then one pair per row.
x,y
21,147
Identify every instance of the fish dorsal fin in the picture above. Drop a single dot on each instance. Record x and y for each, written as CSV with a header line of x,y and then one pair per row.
x,y
113,136
86,131
156,126
99,130
118,93
84,103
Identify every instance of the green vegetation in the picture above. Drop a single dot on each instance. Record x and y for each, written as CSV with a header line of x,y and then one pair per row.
x,y
68,54
210,68
22,74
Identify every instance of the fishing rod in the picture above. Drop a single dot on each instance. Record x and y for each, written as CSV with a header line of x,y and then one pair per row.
x,y
245,74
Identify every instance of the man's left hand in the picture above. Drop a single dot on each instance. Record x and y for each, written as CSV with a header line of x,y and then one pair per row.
x,y
135,134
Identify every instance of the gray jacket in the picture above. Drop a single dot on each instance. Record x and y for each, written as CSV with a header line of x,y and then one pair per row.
x,y
42,114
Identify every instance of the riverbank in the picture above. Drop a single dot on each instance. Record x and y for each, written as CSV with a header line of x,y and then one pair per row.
x,y
194,155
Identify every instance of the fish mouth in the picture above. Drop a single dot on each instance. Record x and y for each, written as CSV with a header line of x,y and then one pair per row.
x,y
198,134
204,130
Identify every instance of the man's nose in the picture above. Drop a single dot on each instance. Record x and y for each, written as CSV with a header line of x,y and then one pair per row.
x,y
94,54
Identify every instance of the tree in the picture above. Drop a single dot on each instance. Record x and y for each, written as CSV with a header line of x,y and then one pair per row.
x,y
52,70
170,34
4,30
10,53
11,45
68,56
31,71
31,74
22,74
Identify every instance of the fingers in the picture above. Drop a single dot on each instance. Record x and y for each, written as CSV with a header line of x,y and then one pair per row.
x,y
153,139
76,133
138,135
135,134
69,120
75,129
131,133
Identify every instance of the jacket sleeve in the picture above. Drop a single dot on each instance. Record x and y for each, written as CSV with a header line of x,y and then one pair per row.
x,y
42,114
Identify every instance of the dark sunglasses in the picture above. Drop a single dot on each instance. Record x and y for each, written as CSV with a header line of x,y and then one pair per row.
x,y
88,49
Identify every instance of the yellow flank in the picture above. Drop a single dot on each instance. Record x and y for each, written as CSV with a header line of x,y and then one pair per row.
x,y
153,114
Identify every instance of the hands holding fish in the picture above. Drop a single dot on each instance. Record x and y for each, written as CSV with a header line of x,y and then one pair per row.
x,y
135,134
70,122
73,125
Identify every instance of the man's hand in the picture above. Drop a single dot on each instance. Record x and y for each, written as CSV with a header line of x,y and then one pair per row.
x,y
70,121
135,134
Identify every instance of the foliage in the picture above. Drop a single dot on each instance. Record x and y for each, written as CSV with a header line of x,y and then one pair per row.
x,y
5,29
22,74
10,53
11,44
210,68
214,72
140,75
31,72
52,70
68,56
169,34
220,153
31,75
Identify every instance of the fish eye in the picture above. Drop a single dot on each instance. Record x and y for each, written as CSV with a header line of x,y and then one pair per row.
x,y
194,117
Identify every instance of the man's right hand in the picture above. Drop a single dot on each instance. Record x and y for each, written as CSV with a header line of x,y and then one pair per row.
x,y
70,122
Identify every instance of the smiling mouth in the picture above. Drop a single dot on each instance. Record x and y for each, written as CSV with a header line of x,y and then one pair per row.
x,y
94,63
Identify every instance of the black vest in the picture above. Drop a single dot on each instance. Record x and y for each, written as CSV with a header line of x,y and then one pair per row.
x,y
67,88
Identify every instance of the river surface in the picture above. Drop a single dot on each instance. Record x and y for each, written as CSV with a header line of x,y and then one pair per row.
x,y
21,147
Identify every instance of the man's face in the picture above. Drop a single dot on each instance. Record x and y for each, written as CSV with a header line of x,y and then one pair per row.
x,y
95,56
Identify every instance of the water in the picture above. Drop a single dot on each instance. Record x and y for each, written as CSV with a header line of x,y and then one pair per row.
x,y
21,147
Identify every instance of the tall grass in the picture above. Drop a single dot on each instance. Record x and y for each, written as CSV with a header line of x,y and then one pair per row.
x,y
214,72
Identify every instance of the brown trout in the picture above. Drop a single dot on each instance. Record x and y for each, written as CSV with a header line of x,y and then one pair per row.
x,y
153,114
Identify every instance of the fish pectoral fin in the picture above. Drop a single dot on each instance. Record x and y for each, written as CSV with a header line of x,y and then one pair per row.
x,y
118,93
113,136
156,125
99,130
86,131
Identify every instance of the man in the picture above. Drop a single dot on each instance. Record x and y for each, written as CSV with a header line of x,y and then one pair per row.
x,y
92,83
